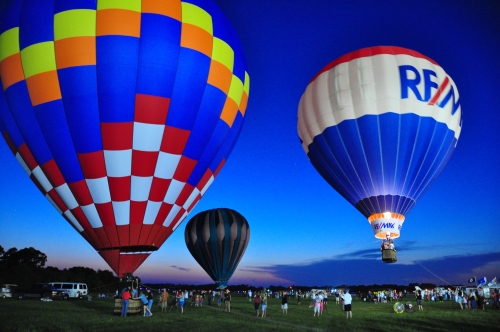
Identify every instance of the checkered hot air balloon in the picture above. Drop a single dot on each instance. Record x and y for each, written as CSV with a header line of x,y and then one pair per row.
x,y
217,239
379,125
122,112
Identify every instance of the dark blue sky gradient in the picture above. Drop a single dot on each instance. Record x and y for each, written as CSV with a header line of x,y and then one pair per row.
x,y
302,231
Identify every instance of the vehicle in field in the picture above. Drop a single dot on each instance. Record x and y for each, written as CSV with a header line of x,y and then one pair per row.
x,y
38,290
76,290
7,290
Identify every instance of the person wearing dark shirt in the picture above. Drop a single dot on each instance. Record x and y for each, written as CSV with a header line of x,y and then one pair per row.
x,y
284,303
419,300
150,302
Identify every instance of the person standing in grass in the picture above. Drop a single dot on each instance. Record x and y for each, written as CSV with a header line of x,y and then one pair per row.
x,y
299,298
219,298
284,303
182,301
150,298
164,300
472,300
317,305
227,301
480,298
347,304
125,302
459,298
145,303
419,300
256,303
264,304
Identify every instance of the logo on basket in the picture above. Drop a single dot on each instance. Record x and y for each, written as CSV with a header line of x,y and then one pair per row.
x,y
385,225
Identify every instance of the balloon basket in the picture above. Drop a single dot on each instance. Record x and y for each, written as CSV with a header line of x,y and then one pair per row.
x,y
389,256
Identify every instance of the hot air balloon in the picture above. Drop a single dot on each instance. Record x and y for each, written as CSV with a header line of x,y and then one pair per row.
x,y
217,239
121,112
379,125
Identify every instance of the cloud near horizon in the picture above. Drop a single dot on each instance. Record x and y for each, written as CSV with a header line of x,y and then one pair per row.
x,y
359,268
180,268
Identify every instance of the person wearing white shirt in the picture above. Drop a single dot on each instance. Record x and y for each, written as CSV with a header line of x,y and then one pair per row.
x,y
347,303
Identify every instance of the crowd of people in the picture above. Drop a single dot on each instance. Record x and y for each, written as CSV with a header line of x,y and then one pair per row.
x,y
179,300
319,300
473,299
468,299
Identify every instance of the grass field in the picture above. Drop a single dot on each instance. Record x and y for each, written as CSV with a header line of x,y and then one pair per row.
x,y
97,315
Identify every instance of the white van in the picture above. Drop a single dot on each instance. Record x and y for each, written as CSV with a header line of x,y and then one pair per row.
x,y
72,289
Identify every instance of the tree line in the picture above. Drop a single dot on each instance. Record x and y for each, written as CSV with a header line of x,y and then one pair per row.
x,y
27,266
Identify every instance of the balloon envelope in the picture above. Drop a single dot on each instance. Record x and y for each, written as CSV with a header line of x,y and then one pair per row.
x,y
121,112
379,125
217,239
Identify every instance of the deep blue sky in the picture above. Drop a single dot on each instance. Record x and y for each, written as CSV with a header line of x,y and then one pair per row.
x,y
302,231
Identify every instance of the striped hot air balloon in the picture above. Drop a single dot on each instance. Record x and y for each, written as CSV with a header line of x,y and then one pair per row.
x,y
121,111
379,125
217,239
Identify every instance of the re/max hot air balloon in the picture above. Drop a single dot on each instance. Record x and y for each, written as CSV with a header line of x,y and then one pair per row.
x,y
379,125
217,239
122,112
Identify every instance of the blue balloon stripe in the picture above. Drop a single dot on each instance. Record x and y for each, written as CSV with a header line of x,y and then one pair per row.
x,y
443,154
37,20
117,61
206,122
337,163
227,145
8,124
158,55
81,107
233,135
221,25
54,126
375,171
63,5
22,112
189,88
10,18
210,152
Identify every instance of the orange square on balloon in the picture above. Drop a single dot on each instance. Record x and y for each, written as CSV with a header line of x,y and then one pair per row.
x,y
76,51
229,112
219,76
170,8
197,39
43,87
243,103
11,70
118,22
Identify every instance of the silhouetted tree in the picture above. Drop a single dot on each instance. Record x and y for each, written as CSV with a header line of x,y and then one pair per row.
x,y
27,256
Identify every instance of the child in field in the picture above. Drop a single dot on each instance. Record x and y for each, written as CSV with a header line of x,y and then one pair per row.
x,y
317,305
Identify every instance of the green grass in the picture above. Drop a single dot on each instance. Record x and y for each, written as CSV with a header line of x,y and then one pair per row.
x,y
97,315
